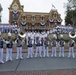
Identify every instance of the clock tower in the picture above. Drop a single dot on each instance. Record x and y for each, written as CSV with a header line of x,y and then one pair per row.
x,y
15,10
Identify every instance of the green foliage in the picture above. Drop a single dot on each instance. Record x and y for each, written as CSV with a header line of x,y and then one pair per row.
x,y
70,17
13,39
66,40
1,8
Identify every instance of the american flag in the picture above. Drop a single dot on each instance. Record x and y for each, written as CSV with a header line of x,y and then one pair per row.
x,y
53,6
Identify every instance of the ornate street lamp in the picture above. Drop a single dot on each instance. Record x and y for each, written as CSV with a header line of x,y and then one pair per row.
x,y
0,12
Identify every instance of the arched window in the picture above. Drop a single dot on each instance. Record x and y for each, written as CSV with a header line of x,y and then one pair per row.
x,y
42,18
15,15
54,15
33,18
23,17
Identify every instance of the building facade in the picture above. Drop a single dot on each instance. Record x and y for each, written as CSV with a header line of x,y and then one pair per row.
x,y
32,20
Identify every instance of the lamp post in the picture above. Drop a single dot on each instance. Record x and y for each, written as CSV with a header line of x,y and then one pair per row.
x,y
0,12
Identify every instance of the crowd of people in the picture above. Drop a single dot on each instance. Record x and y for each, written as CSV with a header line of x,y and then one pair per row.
x,y
38,39
64,29
8,28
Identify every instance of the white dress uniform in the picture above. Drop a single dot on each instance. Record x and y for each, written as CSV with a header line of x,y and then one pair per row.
x,y
19,48
28,34
41,44
45,44
9,45
37,42
71,48
54,43
61,43
1,50
33,41
30,44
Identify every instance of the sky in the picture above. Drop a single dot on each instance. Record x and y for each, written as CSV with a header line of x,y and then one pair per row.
x,y
34,6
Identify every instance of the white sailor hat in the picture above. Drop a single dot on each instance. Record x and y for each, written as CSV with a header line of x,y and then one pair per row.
x,y
61,36
55,36
48,32
9,34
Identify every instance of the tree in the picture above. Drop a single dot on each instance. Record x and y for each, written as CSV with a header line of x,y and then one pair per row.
x,y
1,8
0,12
70,17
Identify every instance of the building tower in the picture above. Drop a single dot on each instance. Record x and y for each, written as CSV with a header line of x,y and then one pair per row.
x,y
15,10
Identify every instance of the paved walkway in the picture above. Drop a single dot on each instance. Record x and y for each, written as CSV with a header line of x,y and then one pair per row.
x,y
41,72
39,66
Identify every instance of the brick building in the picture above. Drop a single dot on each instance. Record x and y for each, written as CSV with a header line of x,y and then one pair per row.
x,y
32,20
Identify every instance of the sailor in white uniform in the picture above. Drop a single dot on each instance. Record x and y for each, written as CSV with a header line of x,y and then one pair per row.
x,y
46,44
41,44
19,42
2,41
71,48
9,45
33,40
54,43
61,43
37,43
30,44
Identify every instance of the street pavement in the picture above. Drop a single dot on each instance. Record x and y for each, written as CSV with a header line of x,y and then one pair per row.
x,y
47,63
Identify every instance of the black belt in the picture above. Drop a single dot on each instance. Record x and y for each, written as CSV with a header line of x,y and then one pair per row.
x,y
1,47
29,45
19,46
37,44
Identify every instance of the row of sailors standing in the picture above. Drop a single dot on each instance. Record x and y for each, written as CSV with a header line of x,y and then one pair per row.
x,y
9,45
40,40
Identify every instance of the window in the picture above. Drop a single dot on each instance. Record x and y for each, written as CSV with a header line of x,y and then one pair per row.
x,y
15,16
54,16
42,18
23,17
33,18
